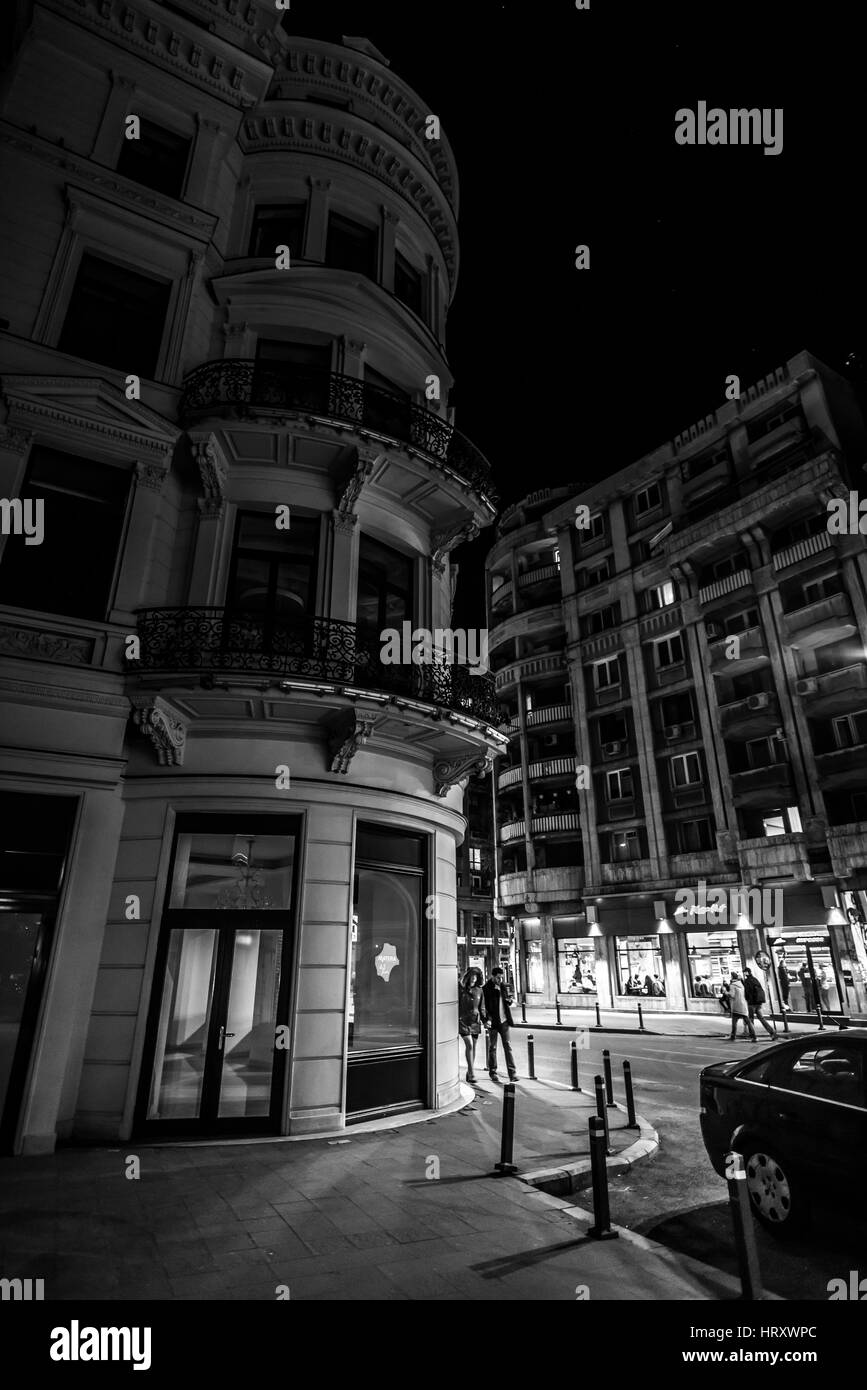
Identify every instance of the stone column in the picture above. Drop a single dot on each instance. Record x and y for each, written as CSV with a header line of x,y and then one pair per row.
x,y
317,220
111,131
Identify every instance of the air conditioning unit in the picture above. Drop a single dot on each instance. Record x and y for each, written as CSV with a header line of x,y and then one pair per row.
x,y
549,741
807,686
613,750
760,701
673,731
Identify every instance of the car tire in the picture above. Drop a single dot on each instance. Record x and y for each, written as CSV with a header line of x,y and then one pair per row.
x,y
777,1197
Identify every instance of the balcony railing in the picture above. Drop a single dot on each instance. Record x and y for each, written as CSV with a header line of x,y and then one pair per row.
x,y
541,825
549,714
537,575
235,386
217,640
823,621
549,767
801,550
530,668
729,585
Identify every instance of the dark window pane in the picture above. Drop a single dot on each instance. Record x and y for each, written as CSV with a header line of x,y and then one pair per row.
x,y
278,225
408,284
384,587
351,246
34,833
274,572
116,316
385,846
157,159
84,507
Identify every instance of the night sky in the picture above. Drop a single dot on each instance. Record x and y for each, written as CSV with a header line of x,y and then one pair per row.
x,y
705,261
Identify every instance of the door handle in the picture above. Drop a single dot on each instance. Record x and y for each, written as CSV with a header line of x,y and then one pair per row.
x,y
223,1036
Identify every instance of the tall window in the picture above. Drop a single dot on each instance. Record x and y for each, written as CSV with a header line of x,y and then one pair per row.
x,y
648,499
662,596
278,224
408,284
158,159
618,784
385,588
669,651
606,673
623,846
387,407
273,579
116,316
351,246
690,836
685,770
84,505
385,988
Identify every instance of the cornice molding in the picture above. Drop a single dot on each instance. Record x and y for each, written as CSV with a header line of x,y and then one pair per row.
x,y
44,399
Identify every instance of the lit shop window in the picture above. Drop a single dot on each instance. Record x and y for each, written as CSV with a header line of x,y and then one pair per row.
x,y
712,958
576,967
639,961
385,986
533,966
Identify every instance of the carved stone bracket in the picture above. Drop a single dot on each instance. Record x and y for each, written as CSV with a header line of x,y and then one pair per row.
x,y
347,736
449,772
15,441
352,490
447,540
164,725
151,476
212,469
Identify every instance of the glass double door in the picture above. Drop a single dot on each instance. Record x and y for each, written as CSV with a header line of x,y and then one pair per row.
x,y
217,1042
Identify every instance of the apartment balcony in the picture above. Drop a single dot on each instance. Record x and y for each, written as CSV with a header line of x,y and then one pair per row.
x,y
540,574
601,645
556,823
751,651
530,668
761,786
844,767
207,644
730,584
829,620
239,388
502,603
510,778
774,857
697,864
657,624
754,716
541,886
848,847
553,770
512,830
635,871
802,550
834,692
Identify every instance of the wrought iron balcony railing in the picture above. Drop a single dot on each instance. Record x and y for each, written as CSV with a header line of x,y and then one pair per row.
x,y
237,385
217,640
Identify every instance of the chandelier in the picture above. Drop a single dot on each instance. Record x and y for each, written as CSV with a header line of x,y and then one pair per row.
x,y
248,890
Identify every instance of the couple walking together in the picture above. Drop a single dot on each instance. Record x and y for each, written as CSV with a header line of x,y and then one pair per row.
x,y
486,1006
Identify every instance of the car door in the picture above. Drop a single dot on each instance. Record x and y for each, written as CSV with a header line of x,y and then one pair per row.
x,y
818,1108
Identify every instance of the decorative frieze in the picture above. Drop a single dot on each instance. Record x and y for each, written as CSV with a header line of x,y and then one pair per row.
x,y
45,646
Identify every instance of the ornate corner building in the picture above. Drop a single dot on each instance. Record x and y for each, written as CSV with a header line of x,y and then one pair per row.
x,y
229,261
687,672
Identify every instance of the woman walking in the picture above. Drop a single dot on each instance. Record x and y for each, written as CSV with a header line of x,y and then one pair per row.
x,y
471,1015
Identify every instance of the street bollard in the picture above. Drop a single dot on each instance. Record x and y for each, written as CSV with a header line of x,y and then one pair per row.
x,y
573,1063
531,1057
609,1079
641,1027
842,1022
599,1086
601,1228
631,1122
505,1165
819,1017
598,1017
557,1007
745,1234
523,1011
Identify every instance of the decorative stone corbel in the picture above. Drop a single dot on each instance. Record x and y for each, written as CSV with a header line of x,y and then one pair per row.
x,y
150,475
347,736
213,471
449,772
164,725
442,542
344,513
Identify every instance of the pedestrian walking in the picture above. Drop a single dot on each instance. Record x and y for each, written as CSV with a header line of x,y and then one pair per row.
x,y
784,985
471,1016
739,1008
725,999
807,985
825,981
755,996
497,1000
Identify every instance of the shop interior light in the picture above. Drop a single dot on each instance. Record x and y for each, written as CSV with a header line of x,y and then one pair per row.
x,y
743,923
837,917
531,921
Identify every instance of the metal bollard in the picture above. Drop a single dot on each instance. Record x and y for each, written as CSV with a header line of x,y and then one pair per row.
x,y
819,1017
601,1229
598,1017
557,1007
631,1122
842,1022
505,1165
599,1086
641,1027
609,1079
573,1063
531,1057
523,1011
745,1234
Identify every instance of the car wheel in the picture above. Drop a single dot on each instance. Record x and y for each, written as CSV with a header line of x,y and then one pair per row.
x,y
776,1197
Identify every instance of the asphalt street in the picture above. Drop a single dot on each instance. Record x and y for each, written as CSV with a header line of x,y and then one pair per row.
x,y
675,1197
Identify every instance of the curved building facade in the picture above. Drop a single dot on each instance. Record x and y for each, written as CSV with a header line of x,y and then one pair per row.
x,y
225,376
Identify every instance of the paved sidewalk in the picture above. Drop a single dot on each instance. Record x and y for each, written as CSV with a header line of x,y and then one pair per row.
x,y
675,1025
410,1213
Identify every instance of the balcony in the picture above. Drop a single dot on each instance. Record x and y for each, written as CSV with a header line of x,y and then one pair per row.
x,y
802,550
663,620
539,575
552,768
753,716
239,388
210,642
834,692
750,652
513,830
844,767
636,871
728,585
763,785
828,620
530,668
541,886
541,718
556,823
697,864
510,778
774,857
848,846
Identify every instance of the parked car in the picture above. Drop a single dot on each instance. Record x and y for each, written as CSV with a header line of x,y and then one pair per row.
x,y
797,1112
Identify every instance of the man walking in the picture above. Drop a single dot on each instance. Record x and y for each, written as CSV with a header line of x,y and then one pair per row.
x,y
755,996
497,1001
739,1009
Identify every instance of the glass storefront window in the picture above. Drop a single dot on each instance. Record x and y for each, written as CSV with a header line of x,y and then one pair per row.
x,y
805,964
576,967
533,966
386,945
241,872
713,955
639,966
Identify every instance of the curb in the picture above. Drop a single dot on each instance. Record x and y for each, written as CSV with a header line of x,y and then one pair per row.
x,y
577,1176
592,1028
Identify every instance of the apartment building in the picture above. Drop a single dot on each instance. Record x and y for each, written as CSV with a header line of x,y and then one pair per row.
x,y
712,634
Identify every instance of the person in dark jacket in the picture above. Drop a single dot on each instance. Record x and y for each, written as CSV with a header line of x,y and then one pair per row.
x,y
807,984
471,1016
497,1000
783,984
755,995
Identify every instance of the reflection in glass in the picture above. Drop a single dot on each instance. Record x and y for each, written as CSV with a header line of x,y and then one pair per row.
x,y
19,932
251,1024
182,1034
244,872
713,958
576,967
384,992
